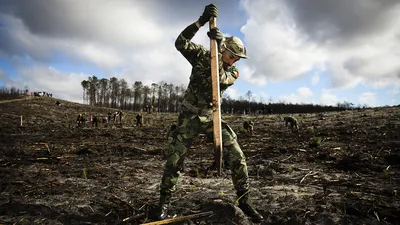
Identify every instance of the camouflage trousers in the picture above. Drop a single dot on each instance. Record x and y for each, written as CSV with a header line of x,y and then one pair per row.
x,y
179,141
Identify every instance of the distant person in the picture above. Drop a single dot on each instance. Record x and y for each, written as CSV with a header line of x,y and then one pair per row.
x,y
109,116
120,116
139,119
80,119
115,116
105,119
293,123
95,121
248,126
58,103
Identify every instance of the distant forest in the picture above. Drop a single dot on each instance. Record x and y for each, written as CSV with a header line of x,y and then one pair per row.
x,y
13,92
165,97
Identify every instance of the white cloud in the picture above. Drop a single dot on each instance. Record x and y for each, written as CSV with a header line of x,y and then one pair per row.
x,y
395,90
327,98
61,85
248,74
232,93
301,96
287,39
367,98
265,96
304,92
276,48
315,79
102,56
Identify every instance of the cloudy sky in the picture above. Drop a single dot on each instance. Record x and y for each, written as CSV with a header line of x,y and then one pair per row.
x,y
308,51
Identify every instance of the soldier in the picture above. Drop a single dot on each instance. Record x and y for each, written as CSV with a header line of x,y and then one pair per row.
x,y
115,116
248,126
120,115
80,119
139,118
95,121
195,114
292,121
109,117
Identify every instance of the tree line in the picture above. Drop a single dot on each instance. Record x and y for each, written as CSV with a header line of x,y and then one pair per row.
x,y
166,97
13,92
115,93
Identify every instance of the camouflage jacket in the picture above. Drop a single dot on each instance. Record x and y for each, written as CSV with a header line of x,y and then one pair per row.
x,y
199,90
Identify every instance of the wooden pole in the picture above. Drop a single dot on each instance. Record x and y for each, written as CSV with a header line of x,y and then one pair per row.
x,y
217,131
21,121
180,218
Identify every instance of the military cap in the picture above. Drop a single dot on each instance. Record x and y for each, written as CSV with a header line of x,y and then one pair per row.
x,y
235,46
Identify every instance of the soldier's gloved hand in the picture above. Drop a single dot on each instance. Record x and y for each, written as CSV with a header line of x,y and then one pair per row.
x,y
209,11
216,34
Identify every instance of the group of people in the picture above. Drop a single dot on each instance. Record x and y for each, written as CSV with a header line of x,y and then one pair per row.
x,y
115,117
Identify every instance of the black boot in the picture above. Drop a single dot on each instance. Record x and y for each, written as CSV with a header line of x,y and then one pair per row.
x,y
164,205
244,205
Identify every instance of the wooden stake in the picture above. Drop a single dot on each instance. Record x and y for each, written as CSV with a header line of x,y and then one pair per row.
x,y
21,121
217,130
180,218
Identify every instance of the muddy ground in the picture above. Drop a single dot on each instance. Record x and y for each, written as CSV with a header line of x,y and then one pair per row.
x,y
55,173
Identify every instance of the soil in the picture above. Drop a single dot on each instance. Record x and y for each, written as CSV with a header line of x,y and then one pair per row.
x,y
341,168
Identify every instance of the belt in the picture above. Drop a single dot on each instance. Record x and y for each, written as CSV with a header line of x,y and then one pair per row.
x,y
195,110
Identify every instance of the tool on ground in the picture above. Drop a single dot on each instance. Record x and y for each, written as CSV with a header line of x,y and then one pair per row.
x,y
181,218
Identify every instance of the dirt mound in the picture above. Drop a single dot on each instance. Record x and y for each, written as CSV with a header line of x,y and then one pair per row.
x,y
343,169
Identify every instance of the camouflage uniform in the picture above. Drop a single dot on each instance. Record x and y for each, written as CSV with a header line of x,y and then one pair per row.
x,y
293,123
139,120
80,120
196,115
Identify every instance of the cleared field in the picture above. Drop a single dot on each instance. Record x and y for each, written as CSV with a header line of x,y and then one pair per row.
x,y
342,168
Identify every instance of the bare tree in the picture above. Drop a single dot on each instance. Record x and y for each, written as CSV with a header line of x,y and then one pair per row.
x,y
137,94
249,96
103,96
124,87
146,95
160,95
114,87
170,97
154,88
84,84
93,86
128,98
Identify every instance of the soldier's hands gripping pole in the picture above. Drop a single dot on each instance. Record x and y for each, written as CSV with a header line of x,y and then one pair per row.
x,y
217,131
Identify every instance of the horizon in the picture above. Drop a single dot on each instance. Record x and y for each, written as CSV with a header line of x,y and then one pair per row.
x,y
339,106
